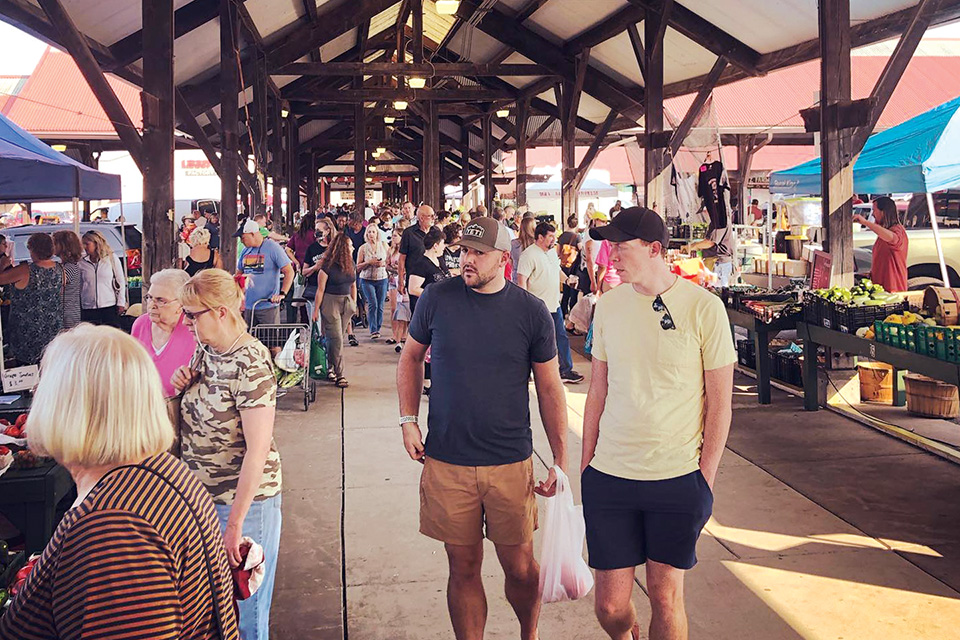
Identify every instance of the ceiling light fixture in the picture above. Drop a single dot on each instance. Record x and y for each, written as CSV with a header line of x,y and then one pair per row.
x,y
381,149
503,113
416,83
399,105
284,113
447,7
369,179
59,147
375,154
389,119
372,167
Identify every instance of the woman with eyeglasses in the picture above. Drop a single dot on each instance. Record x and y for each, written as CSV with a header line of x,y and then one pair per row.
x,y
227,411
161,329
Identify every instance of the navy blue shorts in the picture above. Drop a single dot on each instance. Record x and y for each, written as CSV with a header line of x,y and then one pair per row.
x,y
629,521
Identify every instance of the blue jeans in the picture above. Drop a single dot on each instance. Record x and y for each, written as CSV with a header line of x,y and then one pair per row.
x,y
563,344
262,524
375,295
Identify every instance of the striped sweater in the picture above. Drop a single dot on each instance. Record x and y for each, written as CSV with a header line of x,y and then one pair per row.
x,y
128,563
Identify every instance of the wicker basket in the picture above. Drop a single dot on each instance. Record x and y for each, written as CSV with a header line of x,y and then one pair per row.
x,y
943,304
931,398
876,382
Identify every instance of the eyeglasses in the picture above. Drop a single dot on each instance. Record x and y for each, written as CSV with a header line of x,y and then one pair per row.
x,y
193,315
666,322
159,302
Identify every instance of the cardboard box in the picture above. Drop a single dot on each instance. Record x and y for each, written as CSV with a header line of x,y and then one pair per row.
x,y
795,268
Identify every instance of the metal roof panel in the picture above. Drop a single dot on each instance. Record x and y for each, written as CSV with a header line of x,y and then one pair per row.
x,y
561,20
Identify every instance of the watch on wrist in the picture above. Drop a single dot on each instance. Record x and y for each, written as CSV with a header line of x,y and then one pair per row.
x,y
405,419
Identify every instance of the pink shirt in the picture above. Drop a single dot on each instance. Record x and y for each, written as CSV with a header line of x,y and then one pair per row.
x,y
175,354
610,276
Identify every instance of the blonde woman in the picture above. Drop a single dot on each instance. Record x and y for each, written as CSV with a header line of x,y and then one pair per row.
x,y
227,411
99,412
372,266
201,256
103,295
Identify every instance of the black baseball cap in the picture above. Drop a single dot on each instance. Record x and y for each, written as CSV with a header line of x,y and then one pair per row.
x,y
635,223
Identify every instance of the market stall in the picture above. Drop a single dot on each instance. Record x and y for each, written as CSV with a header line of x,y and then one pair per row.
x,y
32,488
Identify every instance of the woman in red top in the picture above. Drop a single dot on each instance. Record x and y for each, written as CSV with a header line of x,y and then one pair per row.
x,y
890,250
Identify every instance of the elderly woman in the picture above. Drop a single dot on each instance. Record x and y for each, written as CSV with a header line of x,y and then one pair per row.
x,y
161,329
372,265
226,420
36,309
99,411
201,256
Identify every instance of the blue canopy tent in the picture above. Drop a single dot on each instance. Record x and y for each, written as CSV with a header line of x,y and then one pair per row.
x,y
921,155
30,171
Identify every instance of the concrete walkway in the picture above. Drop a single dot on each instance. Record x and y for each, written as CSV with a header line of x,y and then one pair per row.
x,y
822,528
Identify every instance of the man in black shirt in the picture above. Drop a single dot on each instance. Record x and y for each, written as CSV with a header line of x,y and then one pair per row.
x,y
411,244
486,336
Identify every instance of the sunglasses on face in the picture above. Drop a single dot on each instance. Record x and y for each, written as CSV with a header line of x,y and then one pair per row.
x,y
666,322
193,315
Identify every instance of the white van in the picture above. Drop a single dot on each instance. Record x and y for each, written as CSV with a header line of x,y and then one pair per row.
x,y
133,211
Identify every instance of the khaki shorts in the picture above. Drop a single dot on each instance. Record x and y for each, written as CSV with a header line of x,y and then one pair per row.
x,y
456,501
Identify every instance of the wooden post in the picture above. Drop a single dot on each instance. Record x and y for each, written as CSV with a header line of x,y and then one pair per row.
x,y
653,106
416,8
432,188
229,142
488,163
568,156
260,114
465,158
836,142
293,165
158,140
523,112
312,201
359,158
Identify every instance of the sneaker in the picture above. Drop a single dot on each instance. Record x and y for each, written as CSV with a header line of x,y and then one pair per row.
x,y
375,335
426,391
571,377
352,339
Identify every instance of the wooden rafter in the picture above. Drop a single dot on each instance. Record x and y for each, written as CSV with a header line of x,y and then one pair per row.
x,y
401,68
696,107
637,44
529,9
606,29
187,18
594,150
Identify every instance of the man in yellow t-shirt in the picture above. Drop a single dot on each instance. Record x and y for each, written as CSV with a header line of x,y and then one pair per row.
x,y
655,424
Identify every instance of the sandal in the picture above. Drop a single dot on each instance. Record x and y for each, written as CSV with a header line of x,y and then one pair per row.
x,y
390,341
375,336
342,382
352,339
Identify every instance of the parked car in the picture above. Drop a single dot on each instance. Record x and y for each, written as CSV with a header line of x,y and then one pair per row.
x,y
124,240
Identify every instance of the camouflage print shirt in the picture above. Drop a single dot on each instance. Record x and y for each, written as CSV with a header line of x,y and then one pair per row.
x,y
213,443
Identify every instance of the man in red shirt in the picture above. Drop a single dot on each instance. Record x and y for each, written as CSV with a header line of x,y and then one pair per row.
x,y
889,267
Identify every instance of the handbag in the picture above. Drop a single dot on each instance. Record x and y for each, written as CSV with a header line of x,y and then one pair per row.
x,y
318,354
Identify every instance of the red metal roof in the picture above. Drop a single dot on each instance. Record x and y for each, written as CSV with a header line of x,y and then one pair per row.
x,y
776,99
57,102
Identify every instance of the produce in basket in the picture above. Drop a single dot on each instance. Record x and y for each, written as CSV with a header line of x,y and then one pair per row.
x,y
292,379
908,318
864,294
26,459
6,457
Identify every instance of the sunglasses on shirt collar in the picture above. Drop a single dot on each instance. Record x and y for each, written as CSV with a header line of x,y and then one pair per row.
x,y
666,322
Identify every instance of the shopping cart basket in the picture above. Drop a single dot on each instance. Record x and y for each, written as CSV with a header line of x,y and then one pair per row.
x,y
275,336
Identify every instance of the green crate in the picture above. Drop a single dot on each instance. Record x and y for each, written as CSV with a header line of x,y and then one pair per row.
x,y
896,335
932,341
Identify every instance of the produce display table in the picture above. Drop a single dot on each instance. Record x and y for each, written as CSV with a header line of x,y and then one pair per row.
x,y
902,360
29,498
760,333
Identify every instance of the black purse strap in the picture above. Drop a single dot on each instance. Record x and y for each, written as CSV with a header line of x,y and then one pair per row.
x,y
206,553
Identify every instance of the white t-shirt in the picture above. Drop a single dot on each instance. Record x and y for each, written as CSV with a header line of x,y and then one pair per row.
x,y
542,271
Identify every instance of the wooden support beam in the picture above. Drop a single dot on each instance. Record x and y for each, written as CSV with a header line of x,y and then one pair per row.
x,y
76,45
293,164
568,162
541,129
573,98
359,159
437,69
190,126
593,151
229,123
488,189
499,25
416,9
187,18
523,116
464,160
657,42
696,107
430,178
704,33
260,124
653,153
158,140
637,44
370,94
835,142
606,29
310,10
893,70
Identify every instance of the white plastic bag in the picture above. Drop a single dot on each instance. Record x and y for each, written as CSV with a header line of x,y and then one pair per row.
x,y
582,313
564,575
286,359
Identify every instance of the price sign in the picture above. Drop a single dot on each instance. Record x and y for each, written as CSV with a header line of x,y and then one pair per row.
x,y
21,378
822,266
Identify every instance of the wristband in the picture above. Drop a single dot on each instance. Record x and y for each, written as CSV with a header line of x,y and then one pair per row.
x,y
406,419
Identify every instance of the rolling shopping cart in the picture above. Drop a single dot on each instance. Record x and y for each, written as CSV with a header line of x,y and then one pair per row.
x,y
275,336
